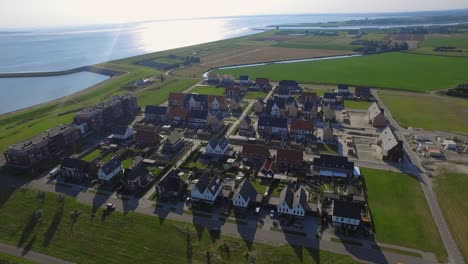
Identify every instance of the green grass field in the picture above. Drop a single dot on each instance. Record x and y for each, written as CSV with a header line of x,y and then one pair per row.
x,y
255,95
453,200
404,71
159,95
460,41
441,113
400,212
132,238
357,104
209,89
8,259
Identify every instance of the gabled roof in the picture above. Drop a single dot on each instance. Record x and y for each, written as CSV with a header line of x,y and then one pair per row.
x,y
139,171
120,130
290,156
76,165
300,197
308,106
221,99
287,196
268,167
171,181
111,165
255,151
308,96
221,142
198,114
284,91
155,109
330,95
219,116
306,125
362,91
289,83
343,87
333,162
177,97
177,111
388,140
262,81
244,78
247,119
202,183
271,102
347,209
374,110
202,98
215,184
246,190
270,121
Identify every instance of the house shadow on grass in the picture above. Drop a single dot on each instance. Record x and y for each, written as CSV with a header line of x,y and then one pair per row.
x,y
102,194
129,204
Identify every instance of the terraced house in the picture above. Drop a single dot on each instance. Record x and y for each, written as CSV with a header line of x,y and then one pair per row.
x,y
206,190
292,204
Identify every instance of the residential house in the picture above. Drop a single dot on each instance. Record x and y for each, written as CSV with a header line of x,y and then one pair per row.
x,y
217,146
173,144
235,103
177,116
139,178
246,127
327,134
75,169
197,119
391,147
227,80
177,100
213,79
196,101
330,98
263,83
362,92
232,91
170,187
206,190
346,215
310,110
376,115
307,97
293,109
291,85
244,80
276,107
301,130
269,126
156,113
293,204
121,135
109,170
244,195
268,169
343,90
146,135
53,143
283,92
259,105
333,166
255,153
215,120
329,114
289,158
217,103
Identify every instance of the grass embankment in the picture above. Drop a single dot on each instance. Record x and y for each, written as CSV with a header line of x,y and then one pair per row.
x,y
429,112
452,194
400,212
132,238
405,71
208,89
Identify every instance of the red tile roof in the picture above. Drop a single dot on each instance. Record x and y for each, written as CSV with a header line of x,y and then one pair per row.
x,y
177,111
221,100
290,156
305,125
255,152
177,97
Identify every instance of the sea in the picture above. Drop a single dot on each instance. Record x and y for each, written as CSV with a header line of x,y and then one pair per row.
x,y
63,48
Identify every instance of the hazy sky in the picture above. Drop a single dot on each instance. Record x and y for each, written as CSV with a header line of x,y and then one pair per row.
x,y
38,13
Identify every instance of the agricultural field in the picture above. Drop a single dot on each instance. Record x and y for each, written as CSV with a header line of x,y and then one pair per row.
x,y
405,71
208,89
459,41
339,42
431,112
453,200
362,105
405,221
44,223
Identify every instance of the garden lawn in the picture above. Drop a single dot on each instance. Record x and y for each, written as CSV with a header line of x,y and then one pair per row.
x,y
400,212
440,113
92,155
363,105
328,149
452,194
255,95
132,238
127,163
406,71
260,188
210,90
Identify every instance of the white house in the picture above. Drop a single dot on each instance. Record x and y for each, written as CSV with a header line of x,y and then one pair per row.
x,y
207,191
244,194
122,133
110,169
217,146
346,215
292,203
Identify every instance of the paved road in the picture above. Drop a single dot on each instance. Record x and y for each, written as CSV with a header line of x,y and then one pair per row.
x,y
454,253
31,255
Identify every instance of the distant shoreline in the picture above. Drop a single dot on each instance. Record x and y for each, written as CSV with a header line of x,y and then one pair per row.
x,y
103,71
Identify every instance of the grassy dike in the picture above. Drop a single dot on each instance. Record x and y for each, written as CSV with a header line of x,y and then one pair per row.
x,y
43,222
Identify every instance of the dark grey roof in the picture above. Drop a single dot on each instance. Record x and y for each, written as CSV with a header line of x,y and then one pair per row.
x,y
333,162
246,190
171,181
247,120
111,165
347,209
287,195
237,98
281,103
198,114
300,197
138,172
222,142
289,83
202,98
343,87
244,77
219,116
308,106
155,110
202,183
121,130
330,95
215,184
270,121
76,164
283,90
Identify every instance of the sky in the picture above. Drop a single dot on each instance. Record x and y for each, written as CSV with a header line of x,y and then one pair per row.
x,y
46,13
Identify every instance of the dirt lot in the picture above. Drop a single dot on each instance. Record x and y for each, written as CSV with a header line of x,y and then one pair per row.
x,y
359,119
365,151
